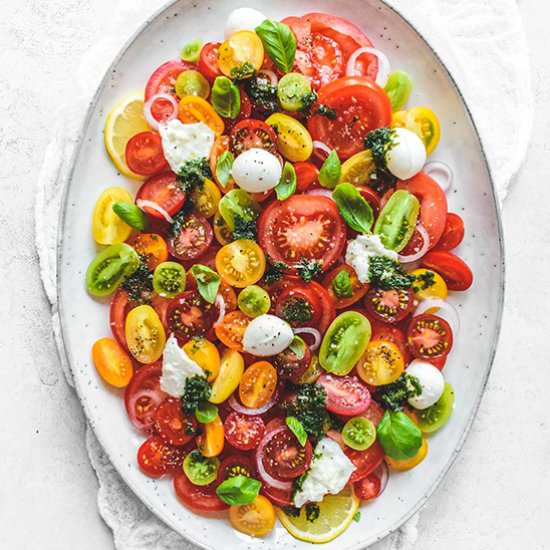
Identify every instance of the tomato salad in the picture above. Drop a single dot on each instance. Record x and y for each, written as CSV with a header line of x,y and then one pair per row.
x,y
279,279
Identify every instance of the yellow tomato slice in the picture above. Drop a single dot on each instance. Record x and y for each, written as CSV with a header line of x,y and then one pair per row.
x,y
145,334
206,198
241,263
107,227
293,140
358,168
429,284
196,109
409,463
382,363
112,363
399,119
205,354
210,442
227,381
258,384
256,519
242,52
425,124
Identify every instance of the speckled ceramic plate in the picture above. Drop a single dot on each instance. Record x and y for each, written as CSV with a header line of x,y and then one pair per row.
x,y
84,320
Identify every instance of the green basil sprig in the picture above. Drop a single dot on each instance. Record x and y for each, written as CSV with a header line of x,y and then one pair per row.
x,y
223,168
226,97
399,436
341,285
297,429
287,184
208,282
238,490
279,43
355,210
398,87
132,215
329,175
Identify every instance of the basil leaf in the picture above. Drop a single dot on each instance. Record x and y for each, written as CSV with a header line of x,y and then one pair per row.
x,y
206,412
341,285
226,97
330,171
132,215
297,429
223,168
399,436
355,210
279,43
208,282
287,184
298,347
238,490
398,87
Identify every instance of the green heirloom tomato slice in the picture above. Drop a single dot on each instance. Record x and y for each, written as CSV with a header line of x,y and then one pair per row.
x,y
199,469
253,301
291,90
436,416
344,342
238,204
398,88
192,82
109,269
169,279
397,221
359,433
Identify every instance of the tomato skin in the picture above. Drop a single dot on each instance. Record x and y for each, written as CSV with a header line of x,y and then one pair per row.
x,y
189,315
346,395
156,457
163,190
454,270
192,239
368,488
163,79
243,432
453,234
249,133
144,154
365,461
172,424
112,363
306,175
231,330
208,60
198,498
374,413
211,442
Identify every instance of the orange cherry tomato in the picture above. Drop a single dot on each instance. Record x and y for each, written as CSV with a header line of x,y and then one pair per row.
x,y
256,519
196,109
112,363
345,288
230,331
210,442
229,296
151,246
258,384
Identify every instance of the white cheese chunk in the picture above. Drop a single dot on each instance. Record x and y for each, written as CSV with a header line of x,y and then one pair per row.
x,y
267,335
177,367
361,249
432,383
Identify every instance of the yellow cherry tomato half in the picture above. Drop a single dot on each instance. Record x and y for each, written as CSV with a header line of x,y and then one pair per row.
x,y
425,124
382,363
112,363
145,334
210,442
258,384
205,354
241,54
429,284
223,234
206,198
399,119
293,140
196,109
240,263
409,463
256,519
227,381
107,227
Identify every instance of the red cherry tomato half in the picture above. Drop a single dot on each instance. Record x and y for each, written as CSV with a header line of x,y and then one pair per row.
x,y
120,306
156,457
389,306
174,427
390,333
208,60
374,413
278,497
197,498
164,191
365,461
251,133
368,488
429,337
284,457
243,432
163,79
235,465
306,175
346,395
452,234
358,289
144,154
453,269
192,239
299,306
289,366
371,197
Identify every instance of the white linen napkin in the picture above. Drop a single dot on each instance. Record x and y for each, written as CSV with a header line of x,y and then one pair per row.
x,y
483,44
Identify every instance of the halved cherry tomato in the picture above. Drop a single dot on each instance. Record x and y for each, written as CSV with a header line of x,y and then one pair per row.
x,y
365,461
452,234
289,366
429,337
120,305
206,198
112,363
428,284
241,263
425,124
235,465
391,305
279,497
193,237
108,227
145,334
251,133
346,395
143,395
221,145
151,247
199,498
255,519
409,463
368,488
156,457
302,227
189,315
306,175
344,296
453,269
230,331
382,363
371,197
258,384
210,443
174,427
196,109
284,457
227,381
243,432
299,305
208,60
205,354
144,154
164,191
229,296
374,413
390,333
241,48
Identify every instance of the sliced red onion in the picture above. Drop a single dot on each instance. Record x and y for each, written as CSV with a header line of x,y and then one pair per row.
x,y
320,146
143,203
220,302
423,249
314,332
441,173
277,483
270,75
236,406
147,113
442,306
320,191
383,474
383,64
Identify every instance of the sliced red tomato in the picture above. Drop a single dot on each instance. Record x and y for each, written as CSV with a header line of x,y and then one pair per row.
x,y
452,234
302,227
368,488
235,465
164,191
433,204
356,290
251,133
389,306
192,239
278,497
390,333
144,154
163,79
208,60
143,395
243,432
120,305
371,197
374,413
329,309
289,366
156,457
453,269
284,457
173,426
196,497
346,395
365,461
306,175
360,105
189,315
299,305
429,337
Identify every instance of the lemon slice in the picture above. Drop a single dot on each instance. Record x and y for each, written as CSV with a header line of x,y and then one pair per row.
x,y
124,121
336,513
357,168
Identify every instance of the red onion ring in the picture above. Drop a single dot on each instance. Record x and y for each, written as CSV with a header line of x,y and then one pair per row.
x,y
148,114
314,332
441,305
320,192
220,302
141,203
384,66
236,406
423,249
270,75
277,483
445,179
383,474
320,146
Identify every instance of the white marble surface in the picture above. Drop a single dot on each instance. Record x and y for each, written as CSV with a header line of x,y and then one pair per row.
x,y
496,495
